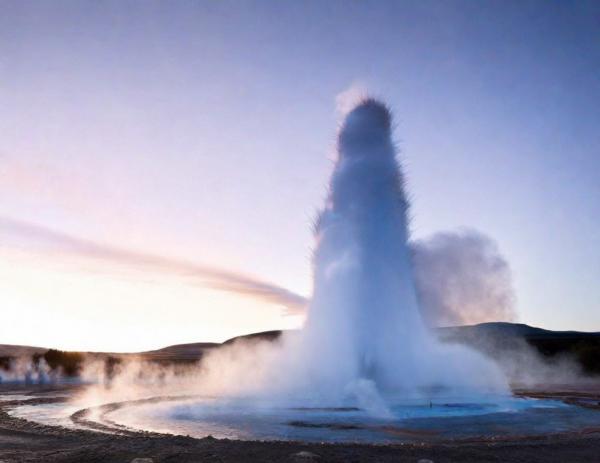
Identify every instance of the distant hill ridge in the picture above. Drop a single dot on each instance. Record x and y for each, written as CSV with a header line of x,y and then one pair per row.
x,y
11,350
517,329
193,351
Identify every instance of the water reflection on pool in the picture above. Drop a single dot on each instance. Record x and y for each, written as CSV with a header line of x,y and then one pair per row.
x,y
408,421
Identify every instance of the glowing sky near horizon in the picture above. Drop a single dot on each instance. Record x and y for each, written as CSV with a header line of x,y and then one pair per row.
x,y
204,130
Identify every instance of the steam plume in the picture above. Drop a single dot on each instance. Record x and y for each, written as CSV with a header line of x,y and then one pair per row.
x,y
462,278
211,277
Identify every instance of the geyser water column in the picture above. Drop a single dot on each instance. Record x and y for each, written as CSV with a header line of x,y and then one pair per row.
x,y
364,360
364,328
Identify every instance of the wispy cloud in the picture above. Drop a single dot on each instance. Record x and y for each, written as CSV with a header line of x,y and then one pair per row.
x,y
208,276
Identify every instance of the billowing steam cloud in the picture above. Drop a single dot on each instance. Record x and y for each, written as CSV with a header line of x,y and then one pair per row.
x,y
462,278
208,276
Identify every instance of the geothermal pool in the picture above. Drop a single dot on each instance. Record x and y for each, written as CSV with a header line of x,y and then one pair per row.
x,y
409,421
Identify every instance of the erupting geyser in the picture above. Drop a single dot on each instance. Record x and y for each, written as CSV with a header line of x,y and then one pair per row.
x,y
364,298
364,333
365,366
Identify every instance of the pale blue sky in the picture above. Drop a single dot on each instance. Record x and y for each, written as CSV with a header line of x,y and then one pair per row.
x,y
205,129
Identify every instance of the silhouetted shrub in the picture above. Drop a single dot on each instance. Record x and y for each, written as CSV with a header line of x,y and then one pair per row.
x,y
588,355
69,363
111,365
5,363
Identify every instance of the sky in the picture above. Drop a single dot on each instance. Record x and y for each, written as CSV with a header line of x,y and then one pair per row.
x,y
201,134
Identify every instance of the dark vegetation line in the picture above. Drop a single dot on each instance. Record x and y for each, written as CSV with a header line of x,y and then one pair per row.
x,y
490,338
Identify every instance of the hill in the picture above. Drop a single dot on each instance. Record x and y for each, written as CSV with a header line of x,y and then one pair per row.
x,y
492,338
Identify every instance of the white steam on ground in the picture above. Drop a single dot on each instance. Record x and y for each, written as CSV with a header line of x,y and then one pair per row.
x,y
24,370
